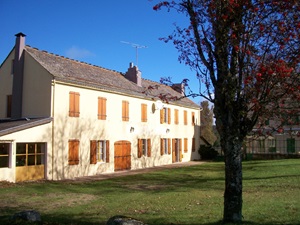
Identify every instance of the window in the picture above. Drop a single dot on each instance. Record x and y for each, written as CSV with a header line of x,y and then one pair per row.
x,y
144,112
272,144
74,104
30,154
261,145
73,152
8,105
144,147
185,117
193,118
4,154
176,121
165,146
165,115
125,110
185,141
99,151
291,147
101,108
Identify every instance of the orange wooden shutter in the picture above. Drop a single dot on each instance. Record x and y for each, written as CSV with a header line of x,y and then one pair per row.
x,y
93,152
125,111
169,116
101,108
185,145
180,149
140,150
193,118
162,115
149,147
173,150
162,146
71,103
144,113
176,116
107,151
185,117
73,152
77,105
169,146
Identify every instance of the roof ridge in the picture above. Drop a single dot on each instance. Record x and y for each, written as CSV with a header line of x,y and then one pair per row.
x,y
74,60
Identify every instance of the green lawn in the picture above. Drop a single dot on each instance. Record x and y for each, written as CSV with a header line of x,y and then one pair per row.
x,y
189,195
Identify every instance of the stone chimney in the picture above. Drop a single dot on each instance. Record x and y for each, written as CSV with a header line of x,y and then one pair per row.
x,y
180,88
18,70
133,74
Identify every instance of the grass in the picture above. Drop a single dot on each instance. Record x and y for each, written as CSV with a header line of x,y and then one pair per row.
x,y
188,195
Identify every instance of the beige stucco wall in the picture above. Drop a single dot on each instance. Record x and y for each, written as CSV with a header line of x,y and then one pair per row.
x,y
36,89
6,80
87,127
40,133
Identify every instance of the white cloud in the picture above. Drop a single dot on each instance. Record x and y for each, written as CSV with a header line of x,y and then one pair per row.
x,y
78,53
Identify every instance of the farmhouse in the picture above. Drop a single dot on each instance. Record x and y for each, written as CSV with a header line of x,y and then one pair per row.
x,y
62,119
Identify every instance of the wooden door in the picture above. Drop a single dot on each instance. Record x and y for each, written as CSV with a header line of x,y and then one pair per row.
x,y
122,155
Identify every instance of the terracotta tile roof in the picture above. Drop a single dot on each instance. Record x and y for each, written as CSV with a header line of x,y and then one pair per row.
x,y
10,126
76,72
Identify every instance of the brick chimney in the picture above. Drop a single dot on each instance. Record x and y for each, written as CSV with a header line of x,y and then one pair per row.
x,y
18,70
180,88
133,74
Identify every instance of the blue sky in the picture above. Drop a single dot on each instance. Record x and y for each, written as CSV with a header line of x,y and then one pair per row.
x,y
93,31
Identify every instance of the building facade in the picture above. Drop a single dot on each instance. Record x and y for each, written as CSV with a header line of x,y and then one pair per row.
x,y
62,119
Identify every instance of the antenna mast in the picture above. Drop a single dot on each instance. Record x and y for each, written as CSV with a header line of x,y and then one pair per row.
x,y
136,46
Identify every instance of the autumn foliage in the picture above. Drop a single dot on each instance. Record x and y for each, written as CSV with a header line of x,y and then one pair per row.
x,y
246,53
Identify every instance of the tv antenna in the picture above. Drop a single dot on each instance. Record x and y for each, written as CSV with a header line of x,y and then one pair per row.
x,y
136,46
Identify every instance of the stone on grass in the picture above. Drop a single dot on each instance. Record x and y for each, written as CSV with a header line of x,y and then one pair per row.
x,y
123,220
29,215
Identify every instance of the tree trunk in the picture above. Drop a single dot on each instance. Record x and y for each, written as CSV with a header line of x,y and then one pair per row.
x,y
233,179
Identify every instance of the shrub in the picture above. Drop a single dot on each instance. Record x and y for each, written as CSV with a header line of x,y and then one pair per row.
x,y
207,152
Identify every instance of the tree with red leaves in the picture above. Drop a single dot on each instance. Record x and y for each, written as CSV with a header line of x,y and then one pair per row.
x,y
246,54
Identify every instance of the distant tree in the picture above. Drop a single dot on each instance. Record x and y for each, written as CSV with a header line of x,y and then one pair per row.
x,y
247,55
207,119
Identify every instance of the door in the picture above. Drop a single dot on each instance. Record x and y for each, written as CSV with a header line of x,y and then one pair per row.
x,y
122,155
30,161
176,150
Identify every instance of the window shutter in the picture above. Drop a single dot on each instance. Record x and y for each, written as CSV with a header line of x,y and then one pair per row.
x,y
107,151
193,118
144,113
73,152
162,115
125,111
71,103
180,149
185,117
8,106
169,116
185,145
162,146
176,116
101,108
74,104
149,147
140,150
169,146
173,150
93,152
77,111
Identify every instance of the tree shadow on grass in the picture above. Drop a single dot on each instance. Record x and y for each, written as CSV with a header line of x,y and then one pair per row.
x,y
64,219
